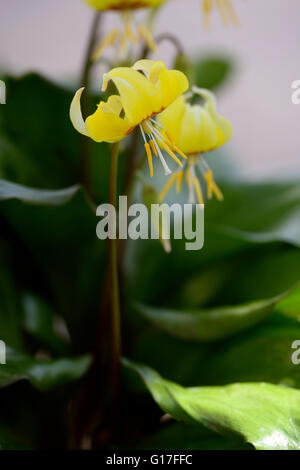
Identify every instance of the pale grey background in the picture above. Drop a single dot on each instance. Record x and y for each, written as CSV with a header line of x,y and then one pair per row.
x,y
49,36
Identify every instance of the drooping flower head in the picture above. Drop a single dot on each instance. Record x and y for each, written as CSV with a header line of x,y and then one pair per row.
x,y
130,34
226,10
145,90
123,4
195,129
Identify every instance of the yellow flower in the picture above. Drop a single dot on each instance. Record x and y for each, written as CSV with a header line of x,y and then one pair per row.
x,y
129,34
226,9
145,90
122,4
195,129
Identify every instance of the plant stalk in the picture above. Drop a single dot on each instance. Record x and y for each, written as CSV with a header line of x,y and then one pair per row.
x,y
85,82
114,292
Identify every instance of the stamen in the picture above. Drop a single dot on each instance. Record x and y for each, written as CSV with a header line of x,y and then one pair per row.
x,y
167,187
157,123
163,162
128,27
208,176
218,193
146,35
123,42
143,133
231,12
206,10
164,145
177,150
172,154
191,177
169,139
212,187
198,190
179,181
188,176
223,12
149,156
189,181
153,147
109,40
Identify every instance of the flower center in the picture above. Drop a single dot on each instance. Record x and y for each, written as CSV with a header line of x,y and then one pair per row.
x,y
155,140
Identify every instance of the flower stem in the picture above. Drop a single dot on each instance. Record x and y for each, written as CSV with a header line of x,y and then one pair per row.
x,y
113,259
85,82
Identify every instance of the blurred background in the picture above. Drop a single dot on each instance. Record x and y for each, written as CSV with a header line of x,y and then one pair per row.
x,y
50,37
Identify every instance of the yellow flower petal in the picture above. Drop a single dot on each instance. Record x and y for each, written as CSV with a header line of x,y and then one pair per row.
x,y
224,127
105,125
139,97
171,83
171,119
196,128
75,113
122,4
150,68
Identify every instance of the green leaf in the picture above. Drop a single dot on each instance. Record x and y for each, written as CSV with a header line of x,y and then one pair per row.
x,y
38,146
266,415
59,234
239,233
211,72
37,197
41,148
262,354
210,324
290,305
43,374
258,213
39,320
190,437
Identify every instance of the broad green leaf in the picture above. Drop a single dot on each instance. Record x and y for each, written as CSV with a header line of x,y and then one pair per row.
x,y
37,197
290,305
43,374
190,437
258,213
38,322
265,415
60,238
262,354
39,146
248,226
210,324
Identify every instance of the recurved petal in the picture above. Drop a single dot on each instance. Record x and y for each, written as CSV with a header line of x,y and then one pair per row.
x,y
75,113
115,104
172,83
150,68
139,97
224,127
105,125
